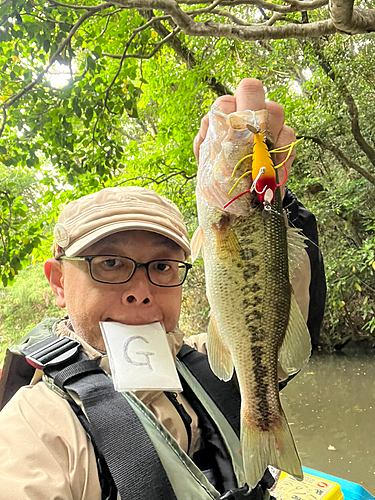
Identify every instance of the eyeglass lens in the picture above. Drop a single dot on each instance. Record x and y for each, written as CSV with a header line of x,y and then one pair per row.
x,y
111,269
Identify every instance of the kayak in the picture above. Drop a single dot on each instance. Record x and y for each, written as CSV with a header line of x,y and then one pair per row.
x,y
317,485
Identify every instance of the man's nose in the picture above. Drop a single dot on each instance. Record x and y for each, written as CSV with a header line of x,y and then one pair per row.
x,y
138,289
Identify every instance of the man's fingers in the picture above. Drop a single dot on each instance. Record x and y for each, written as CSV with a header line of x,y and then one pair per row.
x,y
275,122
280,135
250,95
226,104
286,137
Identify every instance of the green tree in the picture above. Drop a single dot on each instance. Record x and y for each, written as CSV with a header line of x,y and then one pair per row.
x,y
138,81
24,305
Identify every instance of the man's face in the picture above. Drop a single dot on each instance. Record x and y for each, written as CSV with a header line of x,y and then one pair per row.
x,y
136,302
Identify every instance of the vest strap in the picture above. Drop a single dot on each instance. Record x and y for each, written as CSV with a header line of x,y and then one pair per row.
x,y
131,457
221,392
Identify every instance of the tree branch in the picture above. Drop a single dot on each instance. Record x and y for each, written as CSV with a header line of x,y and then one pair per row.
x,y
185,54
4,122
208,28
341,157
284,9
9,102
361,20
351,20
158,180
270,21
128,136
48,19
349,100
77,7
123,57
166,36
108,15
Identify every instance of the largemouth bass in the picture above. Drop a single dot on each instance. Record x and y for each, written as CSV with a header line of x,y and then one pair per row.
x,y
255,320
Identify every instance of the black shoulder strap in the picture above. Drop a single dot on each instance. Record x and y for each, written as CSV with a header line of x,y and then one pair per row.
x,y
225,395
16,371
107,484
117,431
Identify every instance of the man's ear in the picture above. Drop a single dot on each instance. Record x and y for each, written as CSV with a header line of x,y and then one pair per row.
x,y
53,272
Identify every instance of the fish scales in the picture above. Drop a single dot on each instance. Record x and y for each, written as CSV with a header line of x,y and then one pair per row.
x,y
258,299
249,291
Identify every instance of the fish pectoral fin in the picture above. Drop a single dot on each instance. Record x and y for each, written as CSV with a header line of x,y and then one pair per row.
x,y
227,244
295,350
197,242
296,248
219,357
261,448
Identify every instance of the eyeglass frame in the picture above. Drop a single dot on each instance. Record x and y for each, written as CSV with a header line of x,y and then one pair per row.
x,y
90,258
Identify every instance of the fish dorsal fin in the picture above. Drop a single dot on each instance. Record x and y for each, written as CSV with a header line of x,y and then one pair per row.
x,y
296,348
197,242
296,247
218,355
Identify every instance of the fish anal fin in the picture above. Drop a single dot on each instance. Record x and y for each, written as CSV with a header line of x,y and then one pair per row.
x,y
295,350
218,355
197,242
261,448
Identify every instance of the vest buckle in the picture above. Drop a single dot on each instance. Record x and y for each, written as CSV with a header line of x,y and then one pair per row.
x,y
51,351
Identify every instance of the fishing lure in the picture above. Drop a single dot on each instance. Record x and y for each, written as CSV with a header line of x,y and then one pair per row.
x,y
263,170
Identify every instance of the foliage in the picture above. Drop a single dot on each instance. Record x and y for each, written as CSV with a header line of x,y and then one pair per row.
x,y
24,305
126,113
20,223
195,307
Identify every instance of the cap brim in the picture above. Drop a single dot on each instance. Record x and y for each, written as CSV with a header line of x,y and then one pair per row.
x,y
76,248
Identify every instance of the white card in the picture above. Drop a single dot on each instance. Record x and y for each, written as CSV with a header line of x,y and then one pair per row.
x,y
140,357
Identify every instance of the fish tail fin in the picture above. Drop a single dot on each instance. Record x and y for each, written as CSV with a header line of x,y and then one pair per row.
x,y
272,447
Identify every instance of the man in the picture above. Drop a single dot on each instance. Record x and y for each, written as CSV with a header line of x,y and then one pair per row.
x,y
119,256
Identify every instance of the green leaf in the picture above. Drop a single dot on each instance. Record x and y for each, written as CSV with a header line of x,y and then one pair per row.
x,y
91,63
46,45
76,107
89,112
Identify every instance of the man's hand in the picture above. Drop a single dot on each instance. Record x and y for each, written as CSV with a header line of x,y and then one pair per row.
x,y
250,95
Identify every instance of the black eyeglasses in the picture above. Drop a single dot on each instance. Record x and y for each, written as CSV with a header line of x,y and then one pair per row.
x,y
113,269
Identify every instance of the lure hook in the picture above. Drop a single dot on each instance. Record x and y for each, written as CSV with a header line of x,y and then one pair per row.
x,y
254,184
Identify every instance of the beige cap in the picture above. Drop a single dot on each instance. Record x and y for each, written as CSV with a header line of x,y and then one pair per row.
x,y
111,210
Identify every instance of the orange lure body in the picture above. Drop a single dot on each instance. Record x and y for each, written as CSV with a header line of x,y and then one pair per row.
x,y
262,158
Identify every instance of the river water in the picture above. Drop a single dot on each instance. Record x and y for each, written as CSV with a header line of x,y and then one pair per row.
x,y
330,406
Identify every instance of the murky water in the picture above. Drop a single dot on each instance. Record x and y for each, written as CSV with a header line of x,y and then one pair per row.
x,y
331,408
